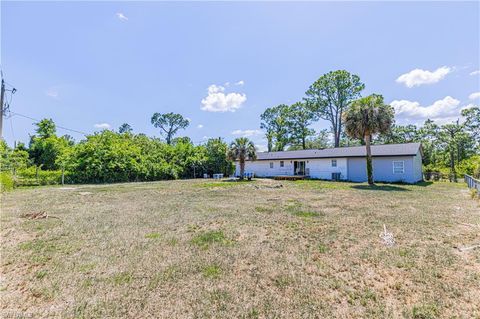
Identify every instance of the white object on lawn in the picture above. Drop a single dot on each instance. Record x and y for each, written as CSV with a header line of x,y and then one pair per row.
x,y
387,237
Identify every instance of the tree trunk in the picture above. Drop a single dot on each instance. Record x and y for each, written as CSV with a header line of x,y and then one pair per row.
x,y
453,173
337,138
339,129
270,143
369,160
303,142
242,168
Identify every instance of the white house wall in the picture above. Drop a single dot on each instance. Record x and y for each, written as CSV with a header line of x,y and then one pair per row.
x,y
318,168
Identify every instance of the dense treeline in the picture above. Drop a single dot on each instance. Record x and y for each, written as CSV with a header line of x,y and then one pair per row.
x,y
450,149
110,156
107,156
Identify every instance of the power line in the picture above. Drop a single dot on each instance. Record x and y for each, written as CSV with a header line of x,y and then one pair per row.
x,y
37,120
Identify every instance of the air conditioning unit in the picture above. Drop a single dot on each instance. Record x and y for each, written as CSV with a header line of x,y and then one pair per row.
x,y
307,171
336,176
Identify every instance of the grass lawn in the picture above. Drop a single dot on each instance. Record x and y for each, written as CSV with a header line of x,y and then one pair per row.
x,y
203,249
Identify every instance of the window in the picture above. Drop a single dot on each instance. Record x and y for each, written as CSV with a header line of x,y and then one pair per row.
x,y
398,167
271,164
281,164
334,163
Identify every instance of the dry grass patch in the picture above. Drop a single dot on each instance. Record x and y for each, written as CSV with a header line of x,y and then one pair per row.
x,y
262,249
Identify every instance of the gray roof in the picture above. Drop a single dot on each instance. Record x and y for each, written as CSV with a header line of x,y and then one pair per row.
x,y
407,149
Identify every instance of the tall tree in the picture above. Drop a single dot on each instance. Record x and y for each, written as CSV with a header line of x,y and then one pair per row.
x,y
449,136
217,160
169,124
299,117
242,149
46,128
275,123
125,128
365,117
330,96
319,141
46,146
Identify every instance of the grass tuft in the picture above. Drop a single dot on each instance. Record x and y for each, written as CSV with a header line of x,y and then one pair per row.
x,y
152,236
212,271
205,239
425,311
122,278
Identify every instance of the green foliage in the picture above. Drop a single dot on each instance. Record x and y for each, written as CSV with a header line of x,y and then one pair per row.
x,y
365,117
470,166
169,124
125,128
299,117
216,159
331,95
275,123
6,181
320,141
242,149
46,128
32,176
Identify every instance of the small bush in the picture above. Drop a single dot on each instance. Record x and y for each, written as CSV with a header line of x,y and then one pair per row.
x,y
6,181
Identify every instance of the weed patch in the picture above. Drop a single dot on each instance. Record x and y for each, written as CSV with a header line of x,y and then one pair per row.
x,y
205,239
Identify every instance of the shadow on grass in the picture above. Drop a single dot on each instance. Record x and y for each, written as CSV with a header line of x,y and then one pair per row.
x,y
231,180
423,184
377,187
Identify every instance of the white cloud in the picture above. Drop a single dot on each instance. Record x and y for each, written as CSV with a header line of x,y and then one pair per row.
x,y
218,101
476,72
419,77
240,83
442,110
200,126
121,16
103,126
474,96
247,133
52,92
261,147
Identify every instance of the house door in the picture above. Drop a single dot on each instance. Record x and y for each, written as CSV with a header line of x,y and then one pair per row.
x,y
299,168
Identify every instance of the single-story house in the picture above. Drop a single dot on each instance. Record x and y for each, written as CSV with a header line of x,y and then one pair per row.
x,y
391,163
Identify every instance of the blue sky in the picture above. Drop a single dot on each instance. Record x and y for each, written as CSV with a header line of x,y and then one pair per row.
x,y
89,65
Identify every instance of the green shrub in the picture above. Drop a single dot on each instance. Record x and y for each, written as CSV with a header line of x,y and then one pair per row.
x,y
6,181
30,176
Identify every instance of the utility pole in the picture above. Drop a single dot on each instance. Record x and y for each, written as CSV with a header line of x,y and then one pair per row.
x,y
2,94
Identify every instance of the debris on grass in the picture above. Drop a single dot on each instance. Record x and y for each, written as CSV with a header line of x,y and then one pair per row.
x,y
388,239
38,215
462,249
268,186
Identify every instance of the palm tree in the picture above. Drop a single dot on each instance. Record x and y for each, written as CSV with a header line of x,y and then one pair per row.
x,y
241,149
365,117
